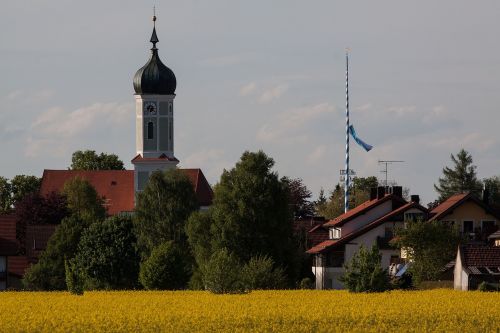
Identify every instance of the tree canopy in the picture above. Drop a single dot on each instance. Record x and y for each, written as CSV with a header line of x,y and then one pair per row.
x,y
359,193
429,245
364,272
163,208
107,255
13,191
300,197
90,160
461,177
49,272
83,200
250,216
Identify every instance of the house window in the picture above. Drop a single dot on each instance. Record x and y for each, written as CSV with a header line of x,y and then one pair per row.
x,y
335,233
3,272
151,129
468,226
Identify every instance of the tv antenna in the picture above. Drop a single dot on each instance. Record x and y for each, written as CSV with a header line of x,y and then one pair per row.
x,y
386,168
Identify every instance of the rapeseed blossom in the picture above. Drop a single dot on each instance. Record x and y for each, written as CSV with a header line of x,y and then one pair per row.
x,y
259,311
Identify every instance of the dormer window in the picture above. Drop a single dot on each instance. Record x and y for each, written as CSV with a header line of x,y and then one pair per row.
x,y
335,233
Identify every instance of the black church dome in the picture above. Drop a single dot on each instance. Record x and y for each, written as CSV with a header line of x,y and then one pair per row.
x,y
154,77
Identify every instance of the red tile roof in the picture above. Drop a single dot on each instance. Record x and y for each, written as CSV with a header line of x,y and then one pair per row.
x,y
329,244
361,209
202,188
481,256
455,201
117,186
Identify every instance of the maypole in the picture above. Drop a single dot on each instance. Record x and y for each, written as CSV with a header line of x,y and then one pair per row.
x,y
347,171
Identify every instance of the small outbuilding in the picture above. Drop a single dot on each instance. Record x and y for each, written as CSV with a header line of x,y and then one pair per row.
x,y
476,264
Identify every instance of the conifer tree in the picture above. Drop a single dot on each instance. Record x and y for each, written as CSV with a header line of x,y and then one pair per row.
x,y
461,177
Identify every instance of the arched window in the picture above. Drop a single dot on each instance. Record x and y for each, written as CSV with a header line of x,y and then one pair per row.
x,y
151,129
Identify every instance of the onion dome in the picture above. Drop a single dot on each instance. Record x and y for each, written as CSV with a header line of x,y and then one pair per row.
x,y
154,77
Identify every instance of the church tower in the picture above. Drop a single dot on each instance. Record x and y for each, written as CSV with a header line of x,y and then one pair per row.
x,y
154,86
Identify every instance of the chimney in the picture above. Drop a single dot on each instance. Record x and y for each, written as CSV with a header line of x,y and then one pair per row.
x,y
373,193
415,198
380,192
397,191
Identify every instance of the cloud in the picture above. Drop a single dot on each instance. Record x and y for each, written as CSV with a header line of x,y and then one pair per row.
x,y
402,110
212,162
294,124
273,93
248,89
54,129
317,155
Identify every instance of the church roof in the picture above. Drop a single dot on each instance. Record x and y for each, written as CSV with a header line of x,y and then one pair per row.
x,y
117,186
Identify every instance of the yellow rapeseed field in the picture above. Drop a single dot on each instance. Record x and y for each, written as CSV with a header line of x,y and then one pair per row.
x,y
260,311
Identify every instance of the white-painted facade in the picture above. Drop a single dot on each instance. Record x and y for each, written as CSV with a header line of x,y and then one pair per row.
x,y
154,136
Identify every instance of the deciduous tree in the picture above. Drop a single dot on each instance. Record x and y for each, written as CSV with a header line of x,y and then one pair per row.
x,y
107,255
163,208
429,245
89,160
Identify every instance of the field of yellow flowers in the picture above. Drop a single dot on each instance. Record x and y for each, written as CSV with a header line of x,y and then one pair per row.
x,y
260,311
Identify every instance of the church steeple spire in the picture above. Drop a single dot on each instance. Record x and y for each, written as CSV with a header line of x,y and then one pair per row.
x,y
154,38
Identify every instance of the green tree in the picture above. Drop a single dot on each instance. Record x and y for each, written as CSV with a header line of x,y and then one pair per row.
x,y
461,177
83,200
5,196
492,184
221,273
22,185
89,160
74,278
300,197
107,255
260,273
251,213
168,268
429,245
163,208
359,193
49,272
364,272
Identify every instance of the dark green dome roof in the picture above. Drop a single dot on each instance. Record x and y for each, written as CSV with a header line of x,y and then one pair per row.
x,y
154,77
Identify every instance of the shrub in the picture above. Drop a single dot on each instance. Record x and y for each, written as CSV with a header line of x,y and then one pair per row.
x,y
259,273
165,269
364,272
306,283
221,273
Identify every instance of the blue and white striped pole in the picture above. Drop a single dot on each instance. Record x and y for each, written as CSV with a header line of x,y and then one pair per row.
x,y
347,171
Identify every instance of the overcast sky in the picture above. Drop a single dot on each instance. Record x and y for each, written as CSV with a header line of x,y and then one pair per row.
x,y
261,74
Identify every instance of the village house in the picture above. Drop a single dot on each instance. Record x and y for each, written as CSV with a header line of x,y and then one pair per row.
x,y
372,222
474,218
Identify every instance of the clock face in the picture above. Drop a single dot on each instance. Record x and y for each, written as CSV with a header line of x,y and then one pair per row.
x,y
150,108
